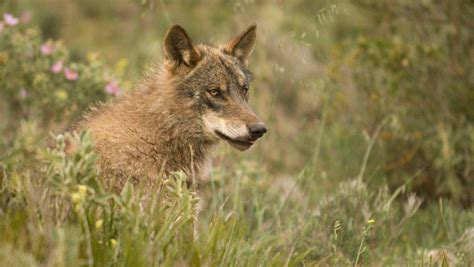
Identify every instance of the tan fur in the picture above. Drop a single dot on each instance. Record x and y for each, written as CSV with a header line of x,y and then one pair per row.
x,y
161,126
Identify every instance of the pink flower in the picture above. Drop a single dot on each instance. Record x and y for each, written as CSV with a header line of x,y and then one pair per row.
x,y
10,19
112,88
25,17
70,74
23,93
57,67
47,49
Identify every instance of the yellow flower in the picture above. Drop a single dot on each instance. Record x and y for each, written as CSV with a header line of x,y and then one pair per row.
x,y
113,243
79,196
371,221
82,189
76,197
99,223
92,56
39,78
61,94
121,66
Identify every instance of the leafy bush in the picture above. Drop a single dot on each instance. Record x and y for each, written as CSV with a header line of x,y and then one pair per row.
x,y
39,80
416,66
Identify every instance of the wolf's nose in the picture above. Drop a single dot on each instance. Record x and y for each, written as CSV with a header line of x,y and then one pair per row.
x,y
257,130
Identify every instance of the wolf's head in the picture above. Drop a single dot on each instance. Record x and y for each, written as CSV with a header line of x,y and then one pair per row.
x,y
216,82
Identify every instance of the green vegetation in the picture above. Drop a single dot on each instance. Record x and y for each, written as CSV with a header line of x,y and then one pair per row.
x,y
369,160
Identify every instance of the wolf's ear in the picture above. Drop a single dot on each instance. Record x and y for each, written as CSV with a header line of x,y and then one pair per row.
x,y
179,49
242,46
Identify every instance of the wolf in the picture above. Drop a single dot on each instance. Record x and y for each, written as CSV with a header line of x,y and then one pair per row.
x,y
171,122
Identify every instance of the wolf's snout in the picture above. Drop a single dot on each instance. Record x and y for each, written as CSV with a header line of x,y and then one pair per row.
x,y
257,130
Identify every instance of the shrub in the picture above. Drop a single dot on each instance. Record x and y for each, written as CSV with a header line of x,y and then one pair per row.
x,y
415,67
39,80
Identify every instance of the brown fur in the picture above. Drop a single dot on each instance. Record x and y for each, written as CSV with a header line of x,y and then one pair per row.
x,y
179,113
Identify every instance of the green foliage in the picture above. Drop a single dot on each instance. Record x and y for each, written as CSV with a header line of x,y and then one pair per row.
x,y
135,227
55,204
33,88
421,77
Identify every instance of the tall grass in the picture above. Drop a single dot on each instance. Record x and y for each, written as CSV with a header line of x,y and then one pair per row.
x,y
56,212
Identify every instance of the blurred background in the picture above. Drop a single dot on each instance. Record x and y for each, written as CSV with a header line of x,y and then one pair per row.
x,y
377,91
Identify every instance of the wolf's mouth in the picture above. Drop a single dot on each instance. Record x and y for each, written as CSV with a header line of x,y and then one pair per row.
x,y
237,143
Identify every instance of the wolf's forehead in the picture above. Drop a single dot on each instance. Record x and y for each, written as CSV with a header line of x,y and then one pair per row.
x,y
234,69
229,65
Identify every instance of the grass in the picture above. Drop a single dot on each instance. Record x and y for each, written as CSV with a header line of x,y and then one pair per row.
x,y
55,212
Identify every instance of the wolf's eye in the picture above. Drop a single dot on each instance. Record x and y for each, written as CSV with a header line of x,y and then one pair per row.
x,y
246,89
214,92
